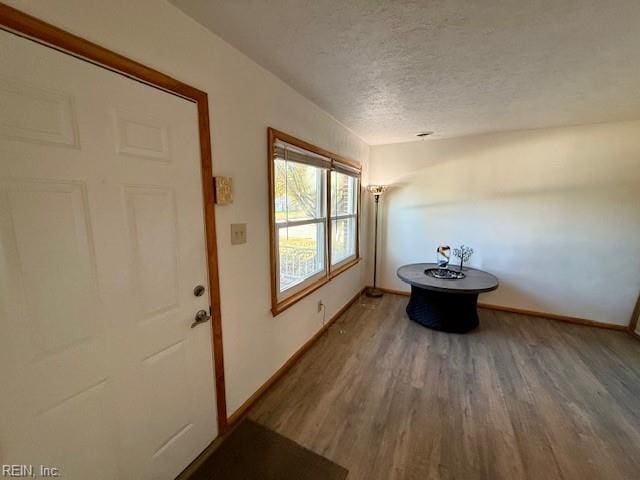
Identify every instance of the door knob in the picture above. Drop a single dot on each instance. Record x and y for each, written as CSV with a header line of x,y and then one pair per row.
x,y
201,317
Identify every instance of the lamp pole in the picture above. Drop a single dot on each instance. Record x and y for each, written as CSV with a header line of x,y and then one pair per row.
x,y
375,245
374,292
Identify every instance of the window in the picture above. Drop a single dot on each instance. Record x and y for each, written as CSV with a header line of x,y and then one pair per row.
x,y
314,217
300,223
344,217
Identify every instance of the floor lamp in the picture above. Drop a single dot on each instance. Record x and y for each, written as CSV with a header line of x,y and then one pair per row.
x,y
376,191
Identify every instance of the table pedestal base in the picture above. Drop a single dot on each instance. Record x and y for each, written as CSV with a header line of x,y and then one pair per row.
x,y
448,312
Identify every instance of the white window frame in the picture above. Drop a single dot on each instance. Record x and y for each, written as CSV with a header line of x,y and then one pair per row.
x,y
355,216
321,245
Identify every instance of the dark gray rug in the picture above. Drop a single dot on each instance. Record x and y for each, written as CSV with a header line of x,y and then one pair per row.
x,y
252,451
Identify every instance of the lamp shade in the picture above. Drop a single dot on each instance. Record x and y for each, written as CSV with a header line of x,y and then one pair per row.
x,y
376,189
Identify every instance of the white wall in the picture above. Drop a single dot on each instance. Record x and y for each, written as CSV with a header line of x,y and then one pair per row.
x,y
244,100
554,213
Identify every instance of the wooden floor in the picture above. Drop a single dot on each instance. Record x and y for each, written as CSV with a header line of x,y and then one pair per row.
x,y
520,398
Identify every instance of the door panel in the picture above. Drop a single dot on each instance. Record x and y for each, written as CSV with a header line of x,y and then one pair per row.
x,y
152,231
101,243
142,137
37,115
56,322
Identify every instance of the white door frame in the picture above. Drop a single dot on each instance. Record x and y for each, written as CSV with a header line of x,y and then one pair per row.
x,y
19,23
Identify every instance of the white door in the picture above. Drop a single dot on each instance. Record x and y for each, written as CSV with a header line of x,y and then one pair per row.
x,y
101,245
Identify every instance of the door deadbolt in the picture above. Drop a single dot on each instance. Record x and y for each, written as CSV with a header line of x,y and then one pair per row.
x,y
198,291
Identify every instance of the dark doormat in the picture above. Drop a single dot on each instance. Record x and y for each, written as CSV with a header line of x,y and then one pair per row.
x,y
252,451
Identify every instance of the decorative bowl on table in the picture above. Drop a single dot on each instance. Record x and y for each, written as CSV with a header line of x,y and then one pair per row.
x,y
444,274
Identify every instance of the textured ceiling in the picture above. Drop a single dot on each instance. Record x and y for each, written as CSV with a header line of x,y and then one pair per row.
x,y
390,69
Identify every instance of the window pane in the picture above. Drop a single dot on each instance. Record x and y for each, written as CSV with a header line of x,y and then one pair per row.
x,y
301,253
343,239
298,191
343,194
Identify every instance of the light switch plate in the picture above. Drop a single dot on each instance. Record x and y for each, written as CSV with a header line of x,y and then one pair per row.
x,y
238,233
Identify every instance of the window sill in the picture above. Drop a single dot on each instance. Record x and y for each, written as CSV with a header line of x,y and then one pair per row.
x,y
296,297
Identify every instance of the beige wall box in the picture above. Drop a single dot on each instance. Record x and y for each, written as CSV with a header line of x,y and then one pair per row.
x,y
223,190
238,233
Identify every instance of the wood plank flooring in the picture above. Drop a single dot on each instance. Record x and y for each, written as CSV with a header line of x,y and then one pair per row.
x,y
520,398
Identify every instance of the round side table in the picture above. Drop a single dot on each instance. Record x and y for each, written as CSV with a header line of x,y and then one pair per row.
x,y
443,304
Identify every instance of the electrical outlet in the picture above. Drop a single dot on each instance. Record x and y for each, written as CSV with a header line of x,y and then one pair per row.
x,y
320,306
238,233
